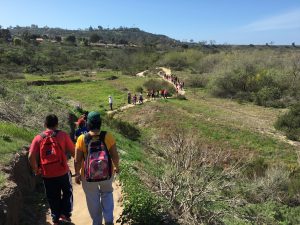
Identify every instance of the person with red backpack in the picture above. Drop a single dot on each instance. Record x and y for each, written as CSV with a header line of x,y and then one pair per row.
x,y
98,152
47,157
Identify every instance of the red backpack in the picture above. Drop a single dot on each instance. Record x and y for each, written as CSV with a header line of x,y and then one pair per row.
x,y
52,157
97,163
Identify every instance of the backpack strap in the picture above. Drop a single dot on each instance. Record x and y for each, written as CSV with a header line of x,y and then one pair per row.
x,y
102,136
43,135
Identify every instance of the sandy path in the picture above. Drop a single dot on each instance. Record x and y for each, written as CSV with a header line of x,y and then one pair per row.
x,y
80,214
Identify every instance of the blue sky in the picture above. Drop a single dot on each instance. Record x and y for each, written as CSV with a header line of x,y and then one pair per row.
x,y
225,21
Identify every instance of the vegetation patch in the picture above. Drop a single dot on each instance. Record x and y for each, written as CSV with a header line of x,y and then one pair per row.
x,y
290,123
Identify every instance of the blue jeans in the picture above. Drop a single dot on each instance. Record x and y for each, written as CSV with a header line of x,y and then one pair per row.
x,y
99,199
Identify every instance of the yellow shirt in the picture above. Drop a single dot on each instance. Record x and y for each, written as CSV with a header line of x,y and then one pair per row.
x,y
81,146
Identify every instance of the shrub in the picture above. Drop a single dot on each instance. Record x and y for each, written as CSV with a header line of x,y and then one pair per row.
x,y
159,85
139,89
197,81
125,128
267,96
290,122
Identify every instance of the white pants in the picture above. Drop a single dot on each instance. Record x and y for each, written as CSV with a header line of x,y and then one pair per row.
x,y
99,199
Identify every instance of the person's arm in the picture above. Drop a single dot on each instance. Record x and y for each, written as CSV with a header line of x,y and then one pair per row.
x,y
32,156
115,157
70,147
78,163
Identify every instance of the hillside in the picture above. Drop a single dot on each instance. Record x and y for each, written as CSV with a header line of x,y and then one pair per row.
x,y
121,35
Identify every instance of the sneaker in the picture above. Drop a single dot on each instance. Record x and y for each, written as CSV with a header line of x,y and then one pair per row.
x,y
64,218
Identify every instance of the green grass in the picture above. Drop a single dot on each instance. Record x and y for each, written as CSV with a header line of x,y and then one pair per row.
x,y
94,94
12,138
205,122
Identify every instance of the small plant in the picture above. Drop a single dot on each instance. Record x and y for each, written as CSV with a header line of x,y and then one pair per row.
x,y
290,123
6,138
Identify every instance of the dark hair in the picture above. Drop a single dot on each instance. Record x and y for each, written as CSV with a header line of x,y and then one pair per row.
x,y
94,126
51,121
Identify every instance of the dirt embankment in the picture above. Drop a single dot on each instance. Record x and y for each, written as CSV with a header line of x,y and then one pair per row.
x,y
19,186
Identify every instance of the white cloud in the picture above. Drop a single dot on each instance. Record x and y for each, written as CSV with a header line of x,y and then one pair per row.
x,y
289,20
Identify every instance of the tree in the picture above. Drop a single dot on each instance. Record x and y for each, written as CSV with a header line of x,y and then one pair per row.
x,y
71,39
26,36
100,27
17,41
5,34
212,42
94,38
57,38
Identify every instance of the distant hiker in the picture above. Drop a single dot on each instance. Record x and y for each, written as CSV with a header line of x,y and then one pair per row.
x,y
152,94
134,99
162,93
165,93
47,157
110,102
81,128
129,98
141,98
148,94
98,150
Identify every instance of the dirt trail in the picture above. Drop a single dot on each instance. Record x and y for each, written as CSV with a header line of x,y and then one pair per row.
x,y
80,212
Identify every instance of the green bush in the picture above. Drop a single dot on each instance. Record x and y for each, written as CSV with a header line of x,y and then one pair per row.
x,y
140,205
290,122
197,81
267,96
125,128
159,85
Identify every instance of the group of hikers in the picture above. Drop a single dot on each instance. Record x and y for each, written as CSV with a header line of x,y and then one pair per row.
x,y
135,99
175,80
96,162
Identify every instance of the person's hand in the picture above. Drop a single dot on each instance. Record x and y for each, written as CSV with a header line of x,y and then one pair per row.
x,y
77,178
117,170
37,171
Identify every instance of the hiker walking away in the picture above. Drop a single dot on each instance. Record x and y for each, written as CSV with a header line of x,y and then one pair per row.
x,y
141,98
47,157
110,101
134,99
98,150
129,98
165,93
81,128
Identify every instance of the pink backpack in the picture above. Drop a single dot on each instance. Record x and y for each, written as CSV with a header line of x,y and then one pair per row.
x,y
97,164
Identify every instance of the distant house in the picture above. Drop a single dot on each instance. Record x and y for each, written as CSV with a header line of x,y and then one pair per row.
x,y
40,40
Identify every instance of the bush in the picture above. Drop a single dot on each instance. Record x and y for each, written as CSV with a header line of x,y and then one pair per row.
x,y
125,128
159,85
140,205
197,81
267,96
290,123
